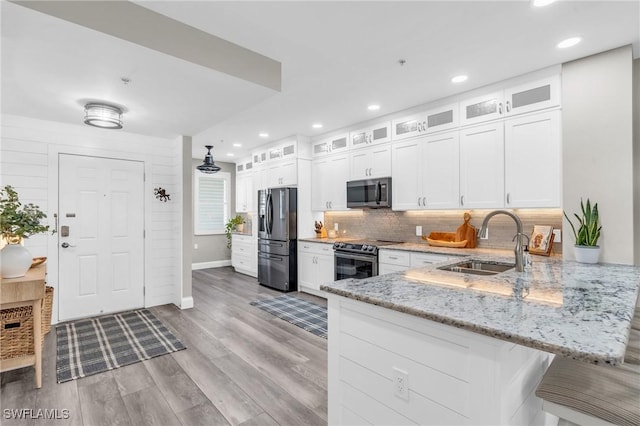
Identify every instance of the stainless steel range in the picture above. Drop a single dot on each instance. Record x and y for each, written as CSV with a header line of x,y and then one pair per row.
x,y
357,259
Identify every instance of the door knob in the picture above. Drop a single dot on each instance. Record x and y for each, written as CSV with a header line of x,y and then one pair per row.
x,y
66,245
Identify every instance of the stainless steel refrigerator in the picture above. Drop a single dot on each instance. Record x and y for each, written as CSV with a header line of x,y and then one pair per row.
x,y
277,238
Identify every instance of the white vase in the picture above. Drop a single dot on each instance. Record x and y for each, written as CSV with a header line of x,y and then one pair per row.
x,y
16,261
587,254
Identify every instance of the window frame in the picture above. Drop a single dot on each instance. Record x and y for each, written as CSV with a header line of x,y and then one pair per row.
x,y
198,176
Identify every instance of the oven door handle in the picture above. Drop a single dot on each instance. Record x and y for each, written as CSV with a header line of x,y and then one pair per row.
x,y
365,258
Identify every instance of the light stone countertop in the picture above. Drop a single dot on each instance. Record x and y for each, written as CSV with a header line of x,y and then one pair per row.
x,y
575,310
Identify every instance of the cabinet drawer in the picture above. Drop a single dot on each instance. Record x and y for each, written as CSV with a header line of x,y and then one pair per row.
x,y
316,248
394,257
388,268
423,259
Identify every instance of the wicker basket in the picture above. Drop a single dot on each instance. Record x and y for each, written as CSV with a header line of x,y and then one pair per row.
x,y
16,327
16,338
47,306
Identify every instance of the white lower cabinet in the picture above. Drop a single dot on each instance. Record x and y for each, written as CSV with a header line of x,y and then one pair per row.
x,y
315,266
393,261
244,254
387,367
390,260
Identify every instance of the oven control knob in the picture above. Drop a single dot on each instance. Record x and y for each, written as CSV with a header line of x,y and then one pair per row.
x,y
371,248
364,247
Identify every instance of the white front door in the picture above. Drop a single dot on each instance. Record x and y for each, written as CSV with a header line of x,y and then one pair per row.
x,y
101,242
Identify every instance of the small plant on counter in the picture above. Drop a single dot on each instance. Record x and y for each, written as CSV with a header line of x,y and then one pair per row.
x,y
588,231
231,225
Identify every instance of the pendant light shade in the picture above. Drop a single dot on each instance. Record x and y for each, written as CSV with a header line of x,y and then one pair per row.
x,y
103,115
208,166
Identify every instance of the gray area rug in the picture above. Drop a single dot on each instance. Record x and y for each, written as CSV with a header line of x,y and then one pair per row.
x,y
94,345
300,312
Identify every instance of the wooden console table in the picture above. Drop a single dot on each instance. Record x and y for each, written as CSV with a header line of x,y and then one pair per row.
x,y
26,291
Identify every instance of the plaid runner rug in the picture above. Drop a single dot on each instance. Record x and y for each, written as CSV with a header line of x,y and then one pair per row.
x,y
94,345
300,312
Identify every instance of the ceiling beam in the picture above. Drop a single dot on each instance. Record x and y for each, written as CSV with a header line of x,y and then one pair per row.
x,y
136,24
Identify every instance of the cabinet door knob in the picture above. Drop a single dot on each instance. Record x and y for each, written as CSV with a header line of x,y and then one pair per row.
x,y
500,108
419,202
508,198
508,106
424,201
462,200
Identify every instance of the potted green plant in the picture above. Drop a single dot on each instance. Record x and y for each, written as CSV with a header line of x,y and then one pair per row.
x,y
588,233
232,225
17,221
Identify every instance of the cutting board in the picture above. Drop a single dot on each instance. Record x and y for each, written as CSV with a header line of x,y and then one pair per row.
x,y
468,232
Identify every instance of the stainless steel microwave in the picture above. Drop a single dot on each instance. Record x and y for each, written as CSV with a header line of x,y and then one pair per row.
x,y
372,193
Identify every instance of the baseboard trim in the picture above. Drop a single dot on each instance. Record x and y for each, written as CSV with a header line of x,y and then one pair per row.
x,y
186,303
212,264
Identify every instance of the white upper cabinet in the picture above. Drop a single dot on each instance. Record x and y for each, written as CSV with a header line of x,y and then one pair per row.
x,y
482,108
482,166
426,173
259,157
244,192
533,160
376,134
441,171
372,162
434,120
531,96
332,145
282,173
329,183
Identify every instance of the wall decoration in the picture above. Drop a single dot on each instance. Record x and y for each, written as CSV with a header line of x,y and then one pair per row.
x,y
161,194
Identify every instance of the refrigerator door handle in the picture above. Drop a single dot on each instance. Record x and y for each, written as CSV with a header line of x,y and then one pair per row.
x,y
269,214
266,256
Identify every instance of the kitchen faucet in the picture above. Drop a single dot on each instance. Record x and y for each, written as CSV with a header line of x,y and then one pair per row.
x,y
518,250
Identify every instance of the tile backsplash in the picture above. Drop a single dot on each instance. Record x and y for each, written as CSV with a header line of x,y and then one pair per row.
x,y
386,224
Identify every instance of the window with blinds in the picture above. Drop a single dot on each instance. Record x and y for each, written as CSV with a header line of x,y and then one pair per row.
x,y
211,202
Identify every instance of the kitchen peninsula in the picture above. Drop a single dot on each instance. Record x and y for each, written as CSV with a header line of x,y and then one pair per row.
x,y
431,346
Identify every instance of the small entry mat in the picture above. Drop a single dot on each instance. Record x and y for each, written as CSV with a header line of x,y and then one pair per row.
x,y
306,315
94,345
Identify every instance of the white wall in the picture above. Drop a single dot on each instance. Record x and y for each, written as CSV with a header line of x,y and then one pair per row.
x,y
29,156
636,157
597,148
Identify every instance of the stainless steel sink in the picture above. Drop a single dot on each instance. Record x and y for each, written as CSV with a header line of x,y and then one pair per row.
x,y
478,267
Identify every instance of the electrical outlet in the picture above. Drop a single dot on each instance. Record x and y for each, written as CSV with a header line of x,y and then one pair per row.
x,y
557,235
335,226
418,231
400,383
485,236
195,246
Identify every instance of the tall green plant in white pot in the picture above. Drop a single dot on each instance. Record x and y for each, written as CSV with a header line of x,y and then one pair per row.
x,y
17,221
587,249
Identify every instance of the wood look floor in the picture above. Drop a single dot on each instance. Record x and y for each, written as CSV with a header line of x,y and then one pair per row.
x,y
242,366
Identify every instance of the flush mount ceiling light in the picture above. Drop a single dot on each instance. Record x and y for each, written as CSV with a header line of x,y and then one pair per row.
x,y
570,42
373,107
208,166
237,145
542,3
103,115
459,78
317,126
263,135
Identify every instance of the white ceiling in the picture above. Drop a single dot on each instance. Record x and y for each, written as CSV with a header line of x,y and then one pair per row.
x,y
336,57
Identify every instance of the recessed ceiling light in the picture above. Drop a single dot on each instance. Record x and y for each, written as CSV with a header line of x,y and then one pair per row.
x,y
317,126
571,41
263,135
459,78
373,107
542,3
229,154
237,145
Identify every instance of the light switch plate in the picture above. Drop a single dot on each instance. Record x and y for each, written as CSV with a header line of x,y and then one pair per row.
x,y
418,231
335,226
557,235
